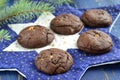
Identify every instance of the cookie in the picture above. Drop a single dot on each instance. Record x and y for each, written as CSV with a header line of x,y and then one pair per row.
x,y
53,61
96,18
66,24
94,42
35,37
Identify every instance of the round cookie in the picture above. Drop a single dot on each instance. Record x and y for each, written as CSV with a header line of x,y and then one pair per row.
x,y
35,37
66,24
94,42
53,61
96,18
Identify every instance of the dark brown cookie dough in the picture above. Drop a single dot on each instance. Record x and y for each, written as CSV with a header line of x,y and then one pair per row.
x,y
96,18
53,61
66,24
35,37
94,42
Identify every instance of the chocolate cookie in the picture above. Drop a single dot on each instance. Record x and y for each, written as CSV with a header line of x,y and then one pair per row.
x,y
53,61
35,37
96,18
94,42
66,24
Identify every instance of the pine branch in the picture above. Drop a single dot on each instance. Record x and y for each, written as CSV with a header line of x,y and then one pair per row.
x,y
2,3
4,35
23,10
26,10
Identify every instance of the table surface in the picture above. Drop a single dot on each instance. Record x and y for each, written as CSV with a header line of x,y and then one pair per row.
x,y
106,72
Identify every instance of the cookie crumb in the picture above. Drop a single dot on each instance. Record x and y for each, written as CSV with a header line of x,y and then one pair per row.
x,y
97,35
52,45
31,28
51,56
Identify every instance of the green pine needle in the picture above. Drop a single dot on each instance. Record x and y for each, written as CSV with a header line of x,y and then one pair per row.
x,y
23,10
4,35
2,3
27,10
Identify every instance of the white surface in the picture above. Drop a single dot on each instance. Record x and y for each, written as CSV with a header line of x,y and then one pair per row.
x,y
60,41
114,22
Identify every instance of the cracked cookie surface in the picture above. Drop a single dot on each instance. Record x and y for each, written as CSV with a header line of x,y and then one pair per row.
x,y
53,61
66,24
96,18
35,36
94,42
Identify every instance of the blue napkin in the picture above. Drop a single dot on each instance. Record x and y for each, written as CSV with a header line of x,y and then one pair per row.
x,y
24,61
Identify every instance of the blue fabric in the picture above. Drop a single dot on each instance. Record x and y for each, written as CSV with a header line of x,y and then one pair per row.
x,y
24,61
